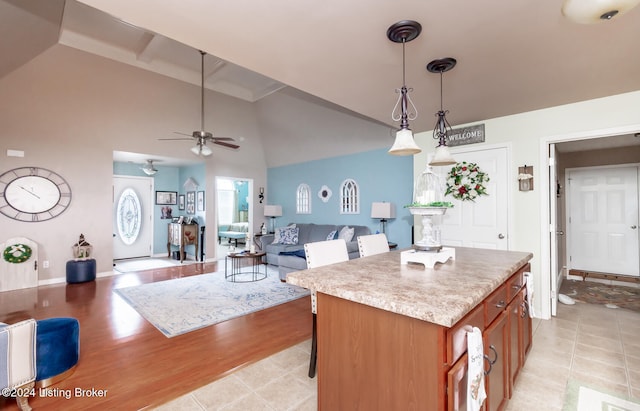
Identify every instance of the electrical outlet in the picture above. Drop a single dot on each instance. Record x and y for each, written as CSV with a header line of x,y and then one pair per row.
x,y
45,264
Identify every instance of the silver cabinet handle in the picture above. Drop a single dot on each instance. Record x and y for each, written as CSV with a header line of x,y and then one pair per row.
x,y
501,236
501,304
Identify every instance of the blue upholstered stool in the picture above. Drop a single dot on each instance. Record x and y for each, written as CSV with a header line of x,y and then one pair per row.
x,y
80,271
57,349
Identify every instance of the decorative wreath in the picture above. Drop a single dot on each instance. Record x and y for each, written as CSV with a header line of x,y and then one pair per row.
x,y
466,181
17,253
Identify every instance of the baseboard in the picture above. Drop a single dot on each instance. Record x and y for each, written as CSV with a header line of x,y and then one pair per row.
x,y
60,280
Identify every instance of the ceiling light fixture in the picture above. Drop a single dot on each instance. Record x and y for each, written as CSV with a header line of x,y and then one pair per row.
x,y
402,32
442,128
148,168
595,11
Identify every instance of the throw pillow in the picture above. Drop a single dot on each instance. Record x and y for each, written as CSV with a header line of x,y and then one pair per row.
x,y
346,233
286,236
332,235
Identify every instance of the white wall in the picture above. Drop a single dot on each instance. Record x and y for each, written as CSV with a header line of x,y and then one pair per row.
x,y
69,110
527,133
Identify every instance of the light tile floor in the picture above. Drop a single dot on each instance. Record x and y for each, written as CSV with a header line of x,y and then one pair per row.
x,y
586,342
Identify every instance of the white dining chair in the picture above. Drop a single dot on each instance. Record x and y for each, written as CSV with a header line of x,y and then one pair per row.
x,y
319,254
372,244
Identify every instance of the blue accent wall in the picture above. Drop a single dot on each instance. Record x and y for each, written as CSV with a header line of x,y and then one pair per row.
x,y
167,179
380,177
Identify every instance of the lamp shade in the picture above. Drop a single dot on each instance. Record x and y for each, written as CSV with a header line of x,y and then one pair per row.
x,y
405,144
272,211
595,11
442,157
383,210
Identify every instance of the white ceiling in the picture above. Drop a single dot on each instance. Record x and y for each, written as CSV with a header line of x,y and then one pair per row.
x,y
513,56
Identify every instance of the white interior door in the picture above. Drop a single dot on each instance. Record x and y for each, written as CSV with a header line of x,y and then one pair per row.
x,y
556,273
482,223
602,219
132,217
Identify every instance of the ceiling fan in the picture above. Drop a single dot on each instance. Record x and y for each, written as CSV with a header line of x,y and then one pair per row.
x,y
148,168
201,136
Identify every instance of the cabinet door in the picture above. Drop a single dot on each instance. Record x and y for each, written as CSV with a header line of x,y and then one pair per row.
x,y
514,310
526,334
496,348
457,385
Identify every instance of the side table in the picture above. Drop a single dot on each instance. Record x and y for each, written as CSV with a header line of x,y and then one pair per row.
x,y
245,267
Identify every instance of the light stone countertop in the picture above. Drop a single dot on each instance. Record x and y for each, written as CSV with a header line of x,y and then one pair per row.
x,y
442,295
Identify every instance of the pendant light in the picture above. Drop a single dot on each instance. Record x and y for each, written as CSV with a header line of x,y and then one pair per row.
x,y
403,32
596,11
442,156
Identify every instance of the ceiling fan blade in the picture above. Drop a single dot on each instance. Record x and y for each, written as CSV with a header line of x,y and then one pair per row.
x,y
174,139
183,134
222,138
222,143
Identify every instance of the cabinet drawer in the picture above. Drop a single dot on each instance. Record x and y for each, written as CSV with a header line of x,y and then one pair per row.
x,y
494,304
457,335
515,284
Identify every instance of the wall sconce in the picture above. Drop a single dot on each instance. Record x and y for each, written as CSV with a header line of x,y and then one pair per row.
x,y
261,195
525,178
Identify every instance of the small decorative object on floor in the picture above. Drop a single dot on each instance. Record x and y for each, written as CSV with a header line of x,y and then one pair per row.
x,y
82,249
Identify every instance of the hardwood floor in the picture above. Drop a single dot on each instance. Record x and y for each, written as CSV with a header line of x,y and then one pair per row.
x,y
137,366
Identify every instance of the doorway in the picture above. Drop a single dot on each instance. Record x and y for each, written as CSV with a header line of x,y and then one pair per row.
x,y
234,211
596,148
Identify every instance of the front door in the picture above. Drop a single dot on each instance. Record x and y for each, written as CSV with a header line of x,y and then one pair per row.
x,y
602,219
482,223
132,217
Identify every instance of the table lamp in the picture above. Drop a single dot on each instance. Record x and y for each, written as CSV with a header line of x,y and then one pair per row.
x,y
383,211
272,211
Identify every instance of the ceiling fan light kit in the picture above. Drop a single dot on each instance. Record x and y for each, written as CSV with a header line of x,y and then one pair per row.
x,y
596,11
148,168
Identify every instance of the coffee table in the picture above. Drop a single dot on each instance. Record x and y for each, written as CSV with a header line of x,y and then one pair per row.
x,y
245,267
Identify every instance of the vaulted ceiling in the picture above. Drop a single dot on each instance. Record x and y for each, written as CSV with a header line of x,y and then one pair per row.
x,y
512,56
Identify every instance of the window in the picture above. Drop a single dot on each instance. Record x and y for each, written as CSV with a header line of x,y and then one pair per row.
x,y
349,197
303,199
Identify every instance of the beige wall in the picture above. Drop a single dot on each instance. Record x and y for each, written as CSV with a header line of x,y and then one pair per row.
x,y
526,132
69,110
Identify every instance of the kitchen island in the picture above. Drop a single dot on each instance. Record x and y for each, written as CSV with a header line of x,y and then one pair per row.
x,y
392,336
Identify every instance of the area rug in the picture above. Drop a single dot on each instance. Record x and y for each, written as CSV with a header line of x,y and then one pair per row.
x,y
186,304
592,292
585,397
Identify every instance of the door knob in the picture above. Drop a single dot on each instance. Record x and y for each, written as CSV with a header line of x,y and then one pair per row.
x,y
501,236
633,227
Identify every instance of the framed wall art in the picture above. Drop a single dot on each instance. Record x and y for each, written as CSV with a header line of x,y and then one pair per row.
x,y
181,202
166,197
191,202
200,200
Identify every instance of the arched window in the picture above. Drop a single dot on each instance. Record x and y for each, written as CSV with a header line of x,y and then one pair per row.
x,y
349,197
303,199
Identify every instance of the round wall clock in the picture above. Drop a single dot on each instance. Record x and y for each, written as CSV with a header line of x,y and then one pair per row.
x,y
33,194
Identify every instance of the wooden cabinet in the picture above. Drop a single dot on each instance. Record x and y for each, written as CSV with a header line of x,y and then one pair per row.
x,y
181,235
504,321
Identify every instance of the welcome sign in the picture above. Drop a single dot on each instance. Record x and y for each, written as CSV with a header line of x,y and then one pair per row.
x,y
466,135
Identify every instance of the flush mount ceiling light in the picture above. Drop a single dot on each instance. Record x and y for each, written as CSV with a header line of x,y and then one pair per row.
x,y
148,168
595,11
442,128
403,32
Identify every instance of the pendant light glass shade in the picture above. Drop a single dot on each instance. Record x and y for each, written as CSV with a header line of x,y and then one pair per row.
x,y
442,157
596,11
405,144
201,150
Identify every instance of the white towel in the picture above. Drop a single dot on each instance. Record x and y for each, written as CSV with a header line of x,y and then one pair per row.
x,y
475,377
529,284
